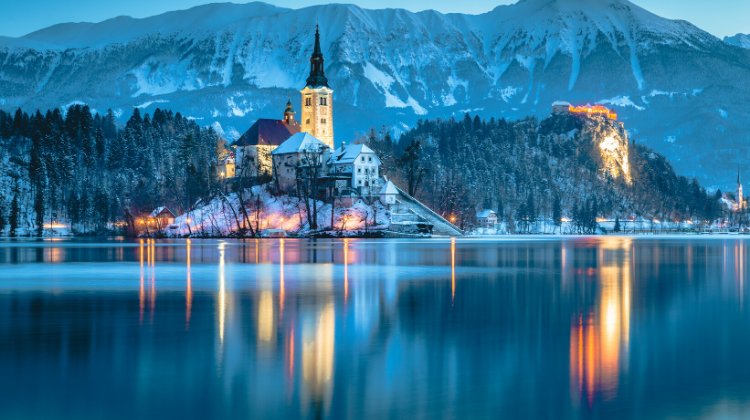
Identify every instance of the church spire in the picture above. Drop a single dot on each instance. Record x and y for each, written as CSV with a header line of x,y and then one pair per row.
x,y
317,75
738,176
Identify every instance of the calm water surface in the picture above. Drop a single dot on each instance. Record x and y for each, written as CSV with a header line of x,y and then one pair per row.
x,y
614,328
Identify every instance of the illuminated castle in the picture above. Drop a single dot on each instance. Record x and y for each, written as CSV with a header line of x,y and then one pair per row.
x,y
561,107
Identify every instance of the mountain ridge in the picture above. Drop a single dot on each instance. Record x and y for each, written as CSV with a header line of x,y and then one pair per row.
x,y
677,87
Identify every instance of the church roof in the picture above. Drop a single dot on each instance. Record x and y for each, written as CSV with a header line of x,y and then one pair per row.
x,y
266,132
300,142
349,153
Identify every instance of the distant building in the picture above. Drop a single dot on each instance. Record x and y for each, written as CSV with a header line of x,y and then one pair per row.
x,y
357,161
227,166
735,202
487,218
157,220
561,107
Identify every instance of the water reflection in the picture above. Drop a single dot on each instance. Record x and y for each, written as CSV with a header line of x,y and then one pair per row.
x,y
580,328
599,337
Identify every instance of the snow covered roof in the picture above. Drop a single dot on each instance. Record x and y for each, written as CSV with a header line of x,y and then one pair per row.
x,y
299,143
486,213
389,189
350,153
561,103
159,210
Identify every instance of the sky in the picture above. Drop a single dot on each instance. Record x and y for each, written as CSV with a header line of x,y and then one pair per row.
x,y
17,18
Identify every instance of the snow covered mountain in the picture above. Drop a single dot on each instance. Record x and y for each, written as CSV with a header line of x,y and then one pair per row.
x,y
740,40
678,89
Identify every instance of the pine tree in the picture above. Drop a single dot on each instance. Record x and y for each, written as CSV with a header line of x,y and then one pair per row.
x,y
556,211
39,211
14,215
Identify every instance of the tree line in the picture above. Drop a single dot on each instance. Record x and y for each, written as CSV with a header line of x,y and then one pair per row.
x,y
81,168
527,170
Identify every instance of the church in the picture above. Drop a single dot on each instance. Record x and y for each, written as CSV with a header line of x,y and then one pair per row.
x,y
735,202
253,150
282,147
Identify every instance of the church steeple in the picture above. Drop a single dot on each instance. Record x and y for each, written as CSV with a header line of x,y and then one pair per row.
x,y
317,74
289,113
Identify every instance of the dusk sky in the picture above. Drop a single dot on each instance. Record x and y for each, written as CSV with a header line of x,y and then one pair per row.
x,y
719,17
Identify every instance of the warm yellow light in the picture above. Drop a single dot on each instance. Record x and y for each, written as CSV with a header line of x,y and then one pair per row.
x,y
453,219
54,226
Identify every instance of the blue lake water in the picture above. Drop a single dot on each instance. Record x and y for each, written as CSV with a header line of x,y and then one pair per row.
x,y
527,328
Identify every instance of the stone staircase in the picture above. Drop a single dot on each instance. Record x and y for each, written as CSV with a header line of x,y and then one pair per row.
x,y
409,215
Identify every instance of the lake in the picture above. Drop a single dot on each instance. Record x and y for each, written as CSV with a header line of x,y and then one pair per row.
x,y
527,328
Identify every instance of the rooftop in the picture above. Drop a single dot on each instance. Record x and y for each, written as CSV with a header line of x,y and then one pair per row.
x,y
267,132
299,143
349,153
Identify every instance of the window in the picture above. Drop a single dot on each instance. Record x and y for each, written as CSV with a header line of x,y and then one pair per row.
x,y
369,159
360,182
363,158
322,120
308,121
323,100
359,170
308,102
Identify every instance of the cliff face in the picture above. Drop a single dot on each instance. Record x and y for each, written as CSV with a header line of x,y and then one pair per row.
x,y
610,140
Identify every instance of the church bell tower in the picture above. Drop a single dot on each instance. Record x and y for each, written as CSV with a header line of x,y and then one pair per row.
x,y
317,99
740,199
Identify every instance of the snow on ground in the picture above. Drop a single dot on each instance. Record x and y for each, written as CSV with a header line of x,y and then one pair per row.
x,y
223,216
620,101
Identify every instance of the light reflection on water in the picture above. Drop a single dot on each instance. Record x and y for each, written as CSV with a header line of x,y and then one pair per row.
x,y
572,328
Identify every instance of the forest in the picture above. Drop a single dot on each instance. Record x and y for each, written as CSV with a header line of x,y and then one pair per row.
x,y
96,174
528,170
84,169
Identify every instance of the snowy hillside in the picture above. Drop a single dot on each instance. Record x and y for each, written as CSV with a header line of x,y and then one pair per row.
x,y
679,89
